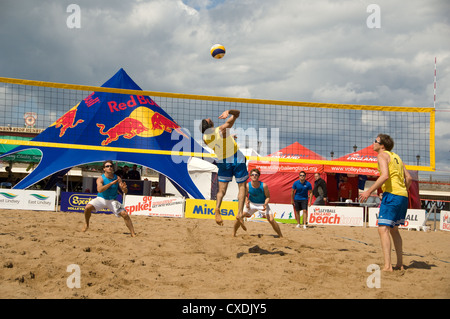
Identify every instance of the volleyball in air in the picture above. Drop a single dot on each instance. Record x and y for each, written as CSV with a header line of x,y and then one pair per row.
x,y
217,51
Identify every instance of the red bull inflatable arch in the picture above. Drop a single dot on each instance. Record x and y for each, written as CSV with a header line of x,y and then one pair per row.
x,y
126,124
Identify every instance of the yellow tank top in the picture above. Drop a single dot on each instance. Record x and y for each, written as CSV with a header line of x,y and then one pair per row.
x,y
396,182
223,147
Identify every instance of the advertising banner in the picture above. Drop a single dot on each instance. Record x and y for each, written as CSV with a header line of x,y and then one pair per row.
x,y
445,220
204,209
336,215
282,213
27,199
76,202
414,218
154,206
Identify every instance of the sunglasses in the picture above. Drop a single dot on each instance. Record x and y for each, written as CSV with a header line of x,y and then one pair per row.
x,y
254,174
106,166
378,142
302,175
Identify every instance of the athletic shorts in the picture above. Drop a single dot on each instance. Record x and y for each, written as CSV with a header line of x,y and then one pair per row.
x,y
257,209
228,170
113,205
392,210
301,205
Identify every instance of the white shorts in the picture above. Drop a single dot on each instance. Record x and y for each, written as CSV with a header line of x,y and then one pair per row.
x,y
257,209
113,205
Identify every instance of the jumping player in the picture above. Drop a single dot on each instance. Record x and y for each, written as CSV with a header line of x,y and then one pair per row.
x,y
231,161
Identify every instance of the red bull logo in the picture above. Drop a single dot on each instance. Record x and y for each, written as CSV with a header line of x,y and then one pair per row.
x,y
142,100
142,122
160,122
67,121
128,128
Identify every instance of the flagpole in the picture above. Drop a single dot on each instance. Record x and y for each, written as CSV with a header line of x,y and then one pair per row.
x,y
434,104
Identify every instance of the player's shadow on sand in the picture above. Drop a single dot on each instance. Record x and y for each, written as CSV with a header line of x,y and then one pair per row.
x,y
258,250
419,265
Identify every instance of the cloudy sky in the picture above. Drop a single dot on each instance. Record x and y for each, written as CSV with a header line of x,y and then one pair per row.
x,y
331,51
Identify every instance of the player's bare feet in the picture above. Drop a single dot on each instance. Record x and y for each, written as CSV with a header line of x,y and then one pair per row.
x,y
219,220
85,228
241,220
387,268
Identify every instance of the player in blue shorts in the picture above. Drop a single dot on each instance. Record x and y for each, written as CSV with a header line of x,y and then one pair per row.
x,y
395,181
231,161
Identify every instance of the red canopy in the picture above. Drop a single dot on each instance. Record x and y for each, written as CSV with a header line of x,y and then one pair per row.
x,y
280,176
366,155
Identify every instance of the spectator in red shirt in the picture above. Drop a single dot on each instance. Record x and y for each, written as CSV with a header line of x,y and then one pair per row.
x,y
345,189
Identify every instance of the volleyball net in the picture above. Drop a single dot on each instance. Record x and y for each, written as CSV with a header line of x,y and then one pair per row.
x,y
319,133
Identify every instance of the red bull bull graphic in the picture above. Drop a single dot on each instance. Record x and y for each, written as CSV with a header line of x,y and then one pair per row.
x,y
142,122
128,128
67,121
160,122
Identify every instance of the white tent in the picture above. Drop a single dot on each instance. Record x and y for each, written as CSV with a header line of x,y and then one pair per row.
x,y
203,174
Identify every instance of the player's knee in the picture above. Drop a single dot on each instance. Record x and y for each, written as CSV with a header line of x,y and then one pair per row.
x,y
89,208
124,214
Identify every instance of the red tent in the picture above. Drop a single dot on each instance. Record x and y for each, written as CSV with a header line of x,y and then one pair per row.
x,y
280,175
366,155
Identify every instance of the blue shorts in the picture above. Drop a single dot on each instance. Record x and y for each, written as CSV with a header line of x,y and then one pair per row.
x,y
233,166
392,210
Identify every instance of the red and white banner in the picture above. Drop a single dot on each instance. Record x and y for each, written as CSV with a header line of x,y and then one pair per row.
x,y
445,220
415,218
154,206
336,215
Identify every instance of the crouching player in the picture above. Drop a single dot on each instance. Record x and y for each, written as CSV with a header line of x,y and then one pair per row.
x,y
257,201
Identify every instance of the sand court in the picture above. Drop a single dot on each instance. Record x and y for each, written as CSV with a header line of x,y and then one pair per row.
x,y
188,258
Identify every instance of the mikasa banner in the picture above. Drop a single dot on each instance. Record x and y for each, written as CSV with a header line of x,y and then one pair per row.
x,y
27,199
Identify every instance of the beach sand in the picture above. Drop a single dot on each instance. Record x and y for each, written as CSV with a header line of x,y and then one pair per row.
x,y
178,258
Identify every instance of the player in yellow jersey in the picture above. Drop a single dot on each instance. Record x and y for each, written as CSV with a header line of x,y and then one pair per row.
x,y
395,181
231,161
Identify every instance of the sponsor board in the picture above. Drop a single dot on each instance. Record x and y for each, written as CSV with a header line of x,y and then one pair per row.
x,y
336,215
27,199
76,202
154,206
414,218
282,213
445,220
204,209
